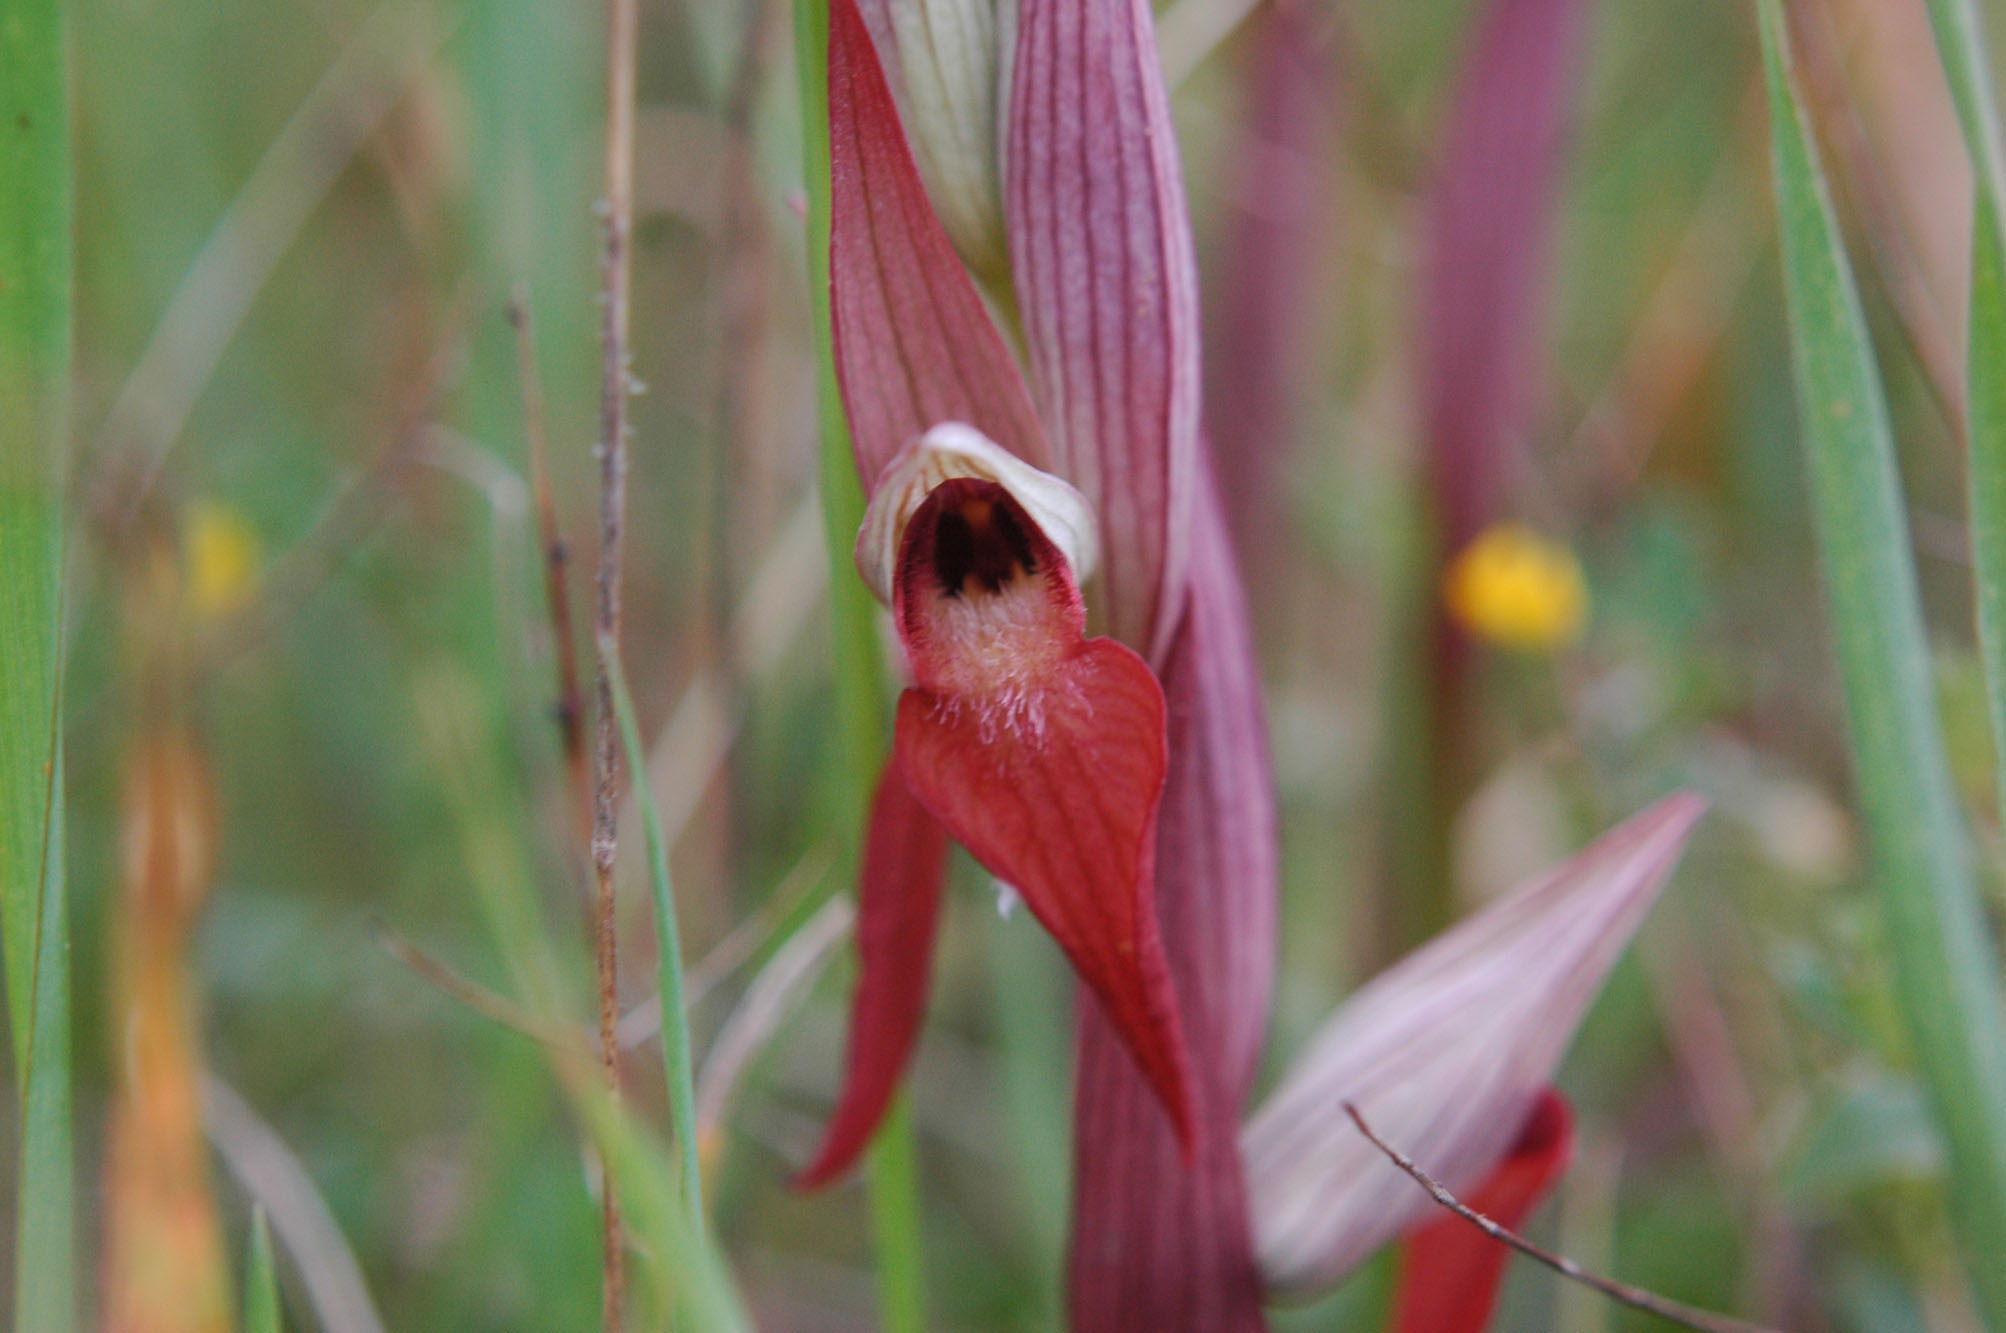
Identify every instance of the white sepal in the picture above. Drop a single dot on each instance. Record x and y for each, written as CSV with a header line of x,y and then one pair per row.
x,y
951,450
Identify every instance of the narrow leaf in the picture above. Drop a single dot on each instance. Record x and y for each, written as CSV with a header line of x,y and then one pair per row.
x,y
45,1242
1946,975
261,1281
1985,387
36,248
683,1272
677,1063
35,332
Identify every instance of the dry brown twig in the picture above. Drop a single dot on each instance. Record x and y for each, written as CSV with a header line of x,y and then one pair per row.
x,y
556,562
491,1005
617,208
1622,1293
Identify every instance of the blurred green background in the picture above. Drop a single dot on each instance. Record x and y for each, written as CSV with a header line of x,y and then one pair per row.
x,y
298,394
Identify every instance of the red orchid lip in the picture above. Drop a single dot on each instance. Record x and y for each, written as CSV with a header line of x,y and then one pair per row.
x,y
1042,752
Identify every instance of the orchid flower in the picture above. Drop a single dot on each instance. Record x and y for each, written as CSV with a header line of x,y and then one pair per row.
x,y
1120,783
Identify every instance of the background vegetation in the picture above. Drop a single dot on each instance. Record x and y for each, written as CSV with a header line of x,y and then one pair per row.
x,y
305,638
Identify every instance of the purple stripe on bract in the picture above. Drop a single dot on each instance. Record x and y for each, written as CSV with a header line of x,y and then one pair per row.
x,y
1156,1245
1100,248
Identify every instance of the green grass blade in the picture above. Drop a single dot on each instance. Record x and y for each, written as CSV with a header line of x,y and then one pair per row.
x,y
861,721
36,258
261,1281
676,1059
1945,972
895,1217
45,1243
681,1272
1985,390
1960,41
1960,44
35,323
681,1269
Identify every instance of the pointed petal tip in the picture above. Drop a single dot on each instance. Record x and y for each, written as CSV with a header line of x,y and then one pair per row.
x,y
898,915
1671,820
831,1161
1054,786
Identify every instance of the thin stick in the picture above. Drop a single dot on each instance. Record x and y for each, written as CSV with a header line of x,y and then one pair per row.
x,y
556,562
488,1004
622,22
1622,1293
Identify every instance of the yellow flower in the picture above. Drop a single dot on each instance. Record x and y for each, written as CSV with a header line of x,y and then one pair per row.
x,y
222,559
1517,589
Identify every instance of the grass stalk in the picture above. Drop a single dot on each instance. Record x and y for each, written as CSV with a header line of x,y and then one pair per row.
x,y
676,1059
617,205
861,721
36,261
1946,974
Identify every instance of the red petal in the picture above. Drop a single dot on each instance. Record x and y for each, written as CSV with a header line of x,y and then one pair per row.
x,y
1100,247
1058,798
914,345
898,912
1153,1246
1450,1280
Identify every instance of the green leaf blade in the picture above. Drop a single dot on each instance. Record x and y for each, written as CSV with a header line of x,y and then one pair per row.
x,y
1946,975
677,1061
261,1281
36,263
